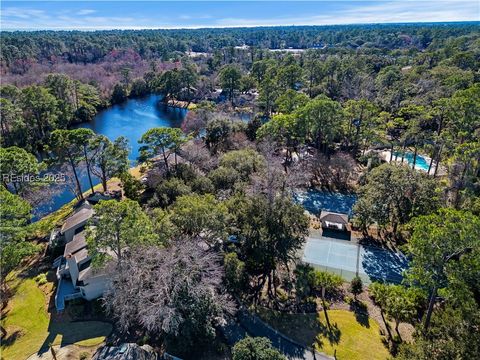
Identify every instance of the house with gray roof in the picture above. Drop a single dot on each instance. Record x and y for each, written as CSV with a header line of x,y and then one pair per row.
x,y
334,221
77,222
77,278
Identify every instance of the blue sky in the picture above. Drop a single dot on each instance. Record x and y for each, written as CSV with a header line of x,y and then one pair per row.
x,y
91,15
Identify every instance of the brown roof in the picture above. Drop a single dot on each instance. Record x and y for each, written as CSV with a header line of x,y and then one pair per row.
x,y
78,218
78,243
334,217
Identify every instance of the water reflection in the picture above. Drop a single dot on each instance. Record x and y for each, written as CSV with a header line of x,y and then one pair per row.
x,y
130,119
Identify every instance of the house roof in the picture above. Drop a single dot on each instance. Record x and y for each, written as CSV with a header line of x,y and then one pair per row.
x,y
78,243
88,272
85,273
80,217
333,217
81,255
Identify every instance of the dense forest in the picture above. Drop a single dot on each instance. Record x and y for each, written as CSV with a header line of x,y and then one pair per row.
x,y
86,47
324,105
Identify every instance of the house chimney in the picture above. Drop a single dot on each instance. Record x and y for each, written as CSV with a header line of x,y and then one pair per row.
x,y
73,268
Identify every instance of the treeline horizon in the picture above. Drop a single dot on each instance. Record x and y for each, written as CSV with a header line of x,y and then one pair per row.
x,y
423,23
42,44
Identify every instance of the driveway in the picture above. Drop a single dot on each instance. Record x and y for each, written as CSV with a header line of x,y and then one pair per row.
x,y
249,324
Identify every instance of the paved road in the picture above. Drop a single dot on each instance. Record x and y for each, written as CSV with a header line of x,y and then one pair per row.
x,y
249,324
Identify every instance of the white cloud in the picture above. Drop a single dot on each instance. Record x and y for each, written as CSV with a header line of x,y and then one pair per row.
x,y
22,13
378,12
85,12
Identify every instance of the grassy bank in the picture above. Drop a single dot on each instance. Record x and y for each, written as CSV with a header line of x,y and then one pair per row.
x,y
350,337
31,328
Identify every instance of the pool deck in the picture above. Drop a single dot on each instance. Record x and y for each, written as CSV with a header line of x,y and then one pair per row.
x,y
387,155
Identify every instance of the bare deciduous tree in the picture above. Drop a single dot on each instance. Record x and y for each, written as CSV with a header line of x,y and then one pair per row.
x,y
174,292
273,180
338,172
198,155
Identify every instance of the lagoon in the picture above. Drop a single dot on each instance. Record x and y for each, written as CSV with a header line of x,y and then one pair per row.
x,y
130,119
133,118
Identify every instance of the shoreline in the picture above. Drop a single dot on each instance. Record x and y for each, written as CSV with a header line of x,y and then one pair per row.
x,y
131,124
43,226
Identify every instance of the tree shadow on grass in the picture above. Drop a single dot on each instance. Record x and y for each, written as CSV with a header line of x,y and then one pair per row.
x,y
332,334
72,331
301,327
11,338
361,313
14,282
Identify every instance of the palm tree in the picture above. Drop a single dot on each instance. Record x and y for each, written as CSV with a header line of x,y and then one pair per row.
x,y
326,282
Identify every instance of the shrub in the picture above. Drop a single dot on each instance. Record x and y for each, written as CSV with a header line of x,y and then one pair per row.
x,y
169,190
328,281
83,355
41,279
305,280
131,186
356,286
252,127
203,185
185,172
258,348
224,178
245,162
143,340
282,295
236,277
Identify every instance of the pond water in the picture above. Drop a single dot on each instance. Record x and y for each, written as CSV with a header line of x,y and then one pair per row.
x,y
314,201
130,119
133,118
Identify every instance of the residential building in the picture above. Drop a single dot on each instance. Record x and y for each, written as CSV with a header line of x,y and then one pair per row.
x,y
77,278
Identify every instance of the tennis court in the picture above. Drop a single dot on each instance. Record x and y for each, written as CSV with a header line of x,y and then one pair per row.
x,y
314,201
348,259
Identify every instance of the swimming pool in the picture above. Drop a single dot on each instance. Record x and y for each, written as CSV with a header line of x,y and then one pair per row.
x,y
314,201
421,164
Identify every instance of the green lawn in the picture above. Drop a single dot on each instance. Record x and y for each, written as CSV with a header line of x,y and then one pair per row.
x,y
354,338
29,326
